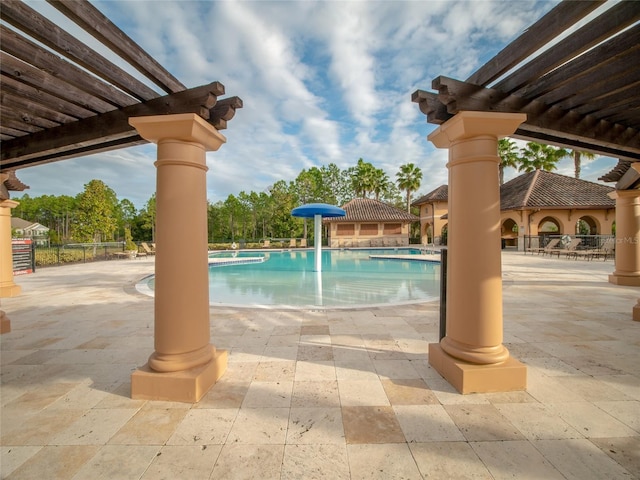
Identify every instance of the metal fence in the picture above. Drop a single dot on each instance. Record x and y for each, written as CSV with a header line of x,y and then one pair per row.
x,y
587,242
46,256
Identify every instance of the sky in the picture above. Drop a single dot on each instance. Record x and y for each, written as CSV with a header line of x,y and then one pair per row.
x,y
322,82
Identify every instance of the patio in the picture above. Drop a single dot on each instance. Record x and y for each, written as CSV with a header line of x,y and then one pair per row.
x,y
342,394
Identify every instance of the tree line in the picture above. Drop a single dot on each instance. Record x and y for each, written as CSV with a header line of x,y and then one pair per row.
x,y
96,214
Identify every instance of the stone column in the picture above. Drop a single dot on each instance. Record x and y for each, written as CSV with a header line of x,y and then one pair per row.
x,y
184,365
471,355
8,288
627,263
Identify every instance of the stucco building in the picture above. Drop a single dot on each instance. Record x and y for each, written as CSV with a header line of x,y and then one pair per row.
x,y
531,205
370,223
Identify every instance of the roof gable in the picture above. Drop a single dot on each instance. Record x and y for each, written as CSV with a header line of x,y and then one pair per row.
x,y
440,194
370,210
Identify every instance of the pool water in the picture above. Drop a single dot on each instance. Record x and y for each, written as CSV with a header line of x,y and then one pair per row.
x,y
349,278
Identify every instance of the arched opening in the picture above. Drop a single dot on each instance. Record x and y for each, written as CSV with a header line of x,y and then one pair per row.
x,y
509,233
587,226
549,226
443,234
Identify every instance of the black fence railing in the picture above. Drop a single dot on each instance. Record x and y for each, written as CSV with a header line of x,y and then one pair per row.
x,y
587,242
46,256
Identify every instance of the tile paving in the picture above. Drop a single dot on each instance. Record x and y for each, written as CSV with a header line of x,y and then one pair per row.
x,y
314,394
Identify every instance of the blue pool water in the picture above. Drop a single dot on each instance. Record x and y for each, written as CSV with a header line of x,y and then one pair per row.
x,y
349,278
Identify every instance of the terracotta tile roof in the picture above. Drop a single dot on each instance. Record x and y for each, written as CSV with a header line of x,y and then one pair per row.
x,y
440,194
370,210
541,189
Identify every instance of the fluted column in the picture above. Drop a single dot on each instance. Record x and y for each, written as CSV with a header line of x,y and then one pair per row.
x,y
8,287
184,364
471,356
627,259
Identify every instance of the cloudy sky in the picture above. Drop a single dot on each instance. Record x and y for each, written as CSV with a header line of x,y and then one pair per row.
x,y
322,82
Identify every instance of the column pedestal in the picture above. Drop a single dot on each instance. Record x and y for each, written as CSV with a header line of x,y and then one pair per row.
x,y
627,260
184,364
471,356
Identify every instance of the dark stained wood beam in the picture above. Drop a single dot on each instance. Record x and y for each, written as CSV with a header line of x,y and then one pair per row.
x,y
560,18
18,103
609,23
42,59
100,27
24,18
55,143
46,82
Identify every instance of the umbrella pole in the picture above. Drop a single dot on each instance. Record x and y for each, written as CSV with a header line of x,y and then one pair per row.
x,y
317,218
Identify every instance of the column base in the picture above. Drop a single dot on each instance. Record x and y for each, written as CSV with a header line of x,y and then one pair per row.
x,y
187,386
625,280
5,323
11,290
508,376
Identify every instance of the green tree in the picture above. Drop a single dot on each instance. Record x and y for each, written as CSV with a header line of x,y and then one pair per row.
x,y
537,156
96,213
577,160
408,180
507,151
147,219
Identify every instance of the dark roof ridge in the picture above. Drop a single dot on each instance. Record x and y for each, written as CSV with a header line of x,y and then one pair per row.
x,y
530,189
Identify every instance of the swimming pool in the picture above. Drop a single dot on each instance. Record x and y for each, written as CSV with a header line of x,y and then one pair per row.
x,y
349,278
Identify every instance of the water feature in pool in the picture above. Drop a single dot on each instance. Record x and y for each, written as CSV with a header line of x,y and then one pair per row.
x,y
349,278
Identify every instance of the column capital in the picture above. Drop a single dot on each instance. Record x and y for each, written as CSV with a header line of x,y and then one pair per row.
x,y
624,194
466,125
187,127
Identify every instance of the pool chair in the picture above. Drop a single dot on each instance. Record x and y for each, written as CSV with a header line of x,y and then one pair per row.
x,y
147,250
292,243
569,250
553,243
605,251
303,243
266,244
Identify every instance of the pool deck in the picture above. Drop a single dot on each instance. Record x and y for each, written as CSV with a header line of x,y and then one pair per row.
x,y
313,394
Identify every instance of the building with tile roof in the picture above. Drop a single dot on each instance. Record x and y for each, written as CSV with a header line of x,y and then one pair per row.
x,y
533,204
33,230
370,223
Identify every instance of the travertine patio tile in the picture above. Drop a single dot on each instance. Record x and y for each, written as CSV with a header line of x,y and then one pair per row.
x,y
412,391
268,371
362,393
280,354
239,371
482,423
225,394
268,394
260,426
321,462
427,423
551,366
536,421
118,462
178,462
628,412
315,393
152,425
12,457
627,384
515,459
53,462
316,370
204,427
95,427
591,421
549,389
37,399
120,397
624,450
382,462
249,461
395,369
38,429
320,426
371,425
592,389
449,460
447,395
579,459
315,353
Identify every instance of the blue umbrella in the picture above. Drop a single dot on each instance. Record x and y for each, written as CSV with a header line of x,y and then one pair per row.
x,y
317,211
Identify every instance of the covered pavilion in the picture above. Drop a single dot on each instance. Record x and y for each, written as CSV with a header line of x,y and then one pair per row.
x,y
76,102
569,80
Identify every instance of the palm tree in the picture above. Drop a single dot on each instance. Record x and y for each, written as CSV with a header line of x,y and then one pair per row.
x,y
409,178
537,156
577,156
508,156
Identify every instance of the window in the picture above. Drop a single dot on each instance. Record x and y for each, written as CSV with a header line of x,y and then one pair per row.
x,y
392,228
346,229
369,229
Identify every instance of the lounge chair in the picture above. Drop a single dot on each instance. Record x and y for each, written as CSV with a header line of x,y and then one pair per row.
x,y
553,243
266,244
303,243
292,243
606,250
147,250
569,250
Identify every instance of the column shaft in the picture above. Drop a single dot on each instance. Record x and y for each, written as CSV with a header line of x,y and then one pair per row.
x,y
627,259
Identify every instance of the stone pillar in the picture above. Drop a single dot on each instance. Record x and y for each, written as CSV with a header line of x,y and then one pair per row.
x,y
627,266
8,288
184,365
471,355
